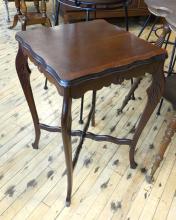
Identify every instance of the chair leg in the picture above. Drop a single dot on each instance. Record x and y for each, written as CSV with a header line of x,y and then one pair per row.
x,y
46,84
81,111
93,104
56,21
126,16
128,97
7,10
159,108
15,21
171,129
145,25
152,28
132,95
87,15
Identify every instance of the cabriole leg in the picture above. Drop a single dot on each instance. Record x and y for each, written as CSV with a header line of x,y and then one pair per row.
x,y
24,77
154,93
66,121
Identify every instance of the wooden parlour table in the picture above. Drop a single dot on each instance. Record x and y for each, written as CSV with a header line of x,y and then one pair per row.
x,y
82,57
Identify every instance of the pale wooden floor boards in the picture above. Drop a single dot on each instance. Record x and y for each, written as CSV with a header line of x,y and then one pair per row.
x,y
31,182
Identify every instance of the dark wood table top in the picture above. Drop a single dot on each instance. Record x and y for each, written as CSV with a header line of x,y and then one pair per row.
x,y
69,52
164,8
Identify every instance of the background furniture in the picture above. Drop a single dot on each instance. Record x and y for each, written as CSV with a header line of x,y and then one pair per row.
x,y
136,8
156,16
166,9
110,62
7,8
30,18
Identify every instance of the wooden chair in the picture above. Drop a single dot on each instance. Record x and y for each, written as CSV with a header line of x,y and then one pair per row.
x,y
30,18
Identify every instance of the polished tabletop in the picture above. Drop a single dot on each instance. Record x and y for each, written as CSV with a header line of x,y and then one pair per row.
x,y
82,49
164,8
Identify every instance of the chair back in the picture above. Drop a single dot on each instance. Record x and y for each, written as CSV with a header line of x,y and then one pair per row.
x,y
94,5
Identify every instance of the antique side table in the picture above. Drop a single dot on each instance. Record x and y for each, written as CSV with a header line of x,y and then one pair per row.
x,y
112,56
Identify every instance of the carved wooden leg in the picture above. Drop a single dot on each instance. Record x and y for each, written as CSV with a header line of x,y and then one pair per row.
x,y
154,93
24,77
171,129
15,21
66,121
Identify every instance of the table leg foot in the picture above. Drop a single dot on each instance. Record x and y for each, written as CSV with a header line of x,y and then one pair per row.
x,y
36,142
68,202
133,164
93,104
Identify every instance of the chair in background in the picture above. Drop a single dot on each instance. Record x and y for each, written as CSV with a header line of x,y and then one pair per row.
x,y
30,18
93,6
155,28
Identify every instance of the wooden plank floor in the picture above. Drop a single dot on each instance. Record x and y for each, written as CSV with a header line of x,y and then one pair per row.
x,y
31,182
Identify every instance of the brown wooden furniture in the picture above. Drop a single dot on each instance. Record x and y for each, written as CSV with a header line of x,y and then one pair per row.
x,y
105,57
166,9
136,8
30,18
7,7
